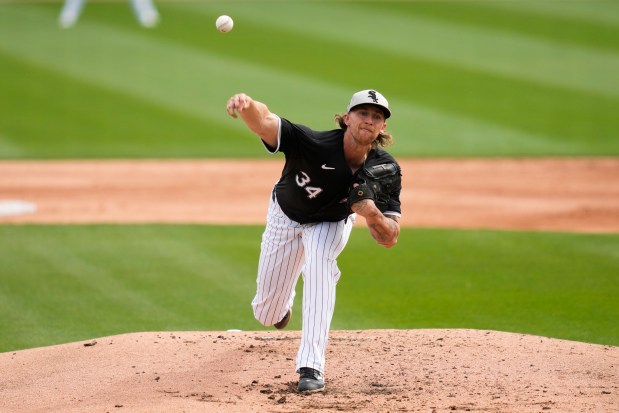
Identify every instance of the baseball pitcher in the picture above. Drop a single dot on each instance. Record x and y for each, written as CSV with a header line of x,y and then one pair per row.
x,y
329,177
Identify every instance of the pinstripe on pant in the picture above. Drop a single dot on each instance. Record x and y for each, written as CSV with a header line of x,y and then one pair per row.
x,y
287,250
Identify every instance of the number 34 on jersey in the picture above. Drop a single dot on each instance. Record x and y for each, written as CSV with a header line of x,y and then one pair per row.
x,y
303,180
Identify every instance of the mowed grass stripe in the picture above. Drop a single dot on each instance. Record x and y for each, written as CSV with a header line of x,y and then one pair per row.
x,y
480,48
75,282
89,281
442,131
475,102
169,74
598,12
520,19
131,64
75,273
532,283
80,119
570,119
453,108
457,110
98,56
9,147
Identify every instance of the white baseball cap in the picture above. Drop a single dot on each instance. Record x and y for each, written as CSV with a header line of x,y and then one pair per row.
x,y
371,97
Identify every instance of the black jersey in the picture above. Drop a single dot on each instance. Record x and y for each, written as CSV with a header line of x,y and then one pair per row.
x,y
316,178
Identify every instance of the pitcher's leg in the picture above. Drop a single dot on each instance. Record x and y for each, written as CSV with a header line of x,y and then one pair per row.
x,y
323,243
281,259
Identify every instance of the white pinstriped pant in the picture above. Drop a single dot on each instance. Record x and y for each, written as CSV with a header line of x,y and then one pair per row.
x,y
287,250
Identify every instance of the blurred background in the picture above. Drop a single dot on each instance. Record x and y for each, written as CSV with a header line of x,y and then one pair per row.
x,y
465,78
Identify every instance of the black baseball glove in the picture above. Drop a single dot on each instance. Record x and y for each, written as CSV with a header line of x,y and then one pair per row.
x,y
375,183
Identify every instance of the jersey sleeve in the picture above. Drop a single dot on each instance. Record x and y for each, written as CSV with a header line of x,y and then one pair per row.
x,y
268,147
293,138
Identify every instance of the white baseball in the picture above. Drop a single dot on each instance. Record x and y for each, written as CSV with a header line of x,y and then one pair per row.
x,y
224,23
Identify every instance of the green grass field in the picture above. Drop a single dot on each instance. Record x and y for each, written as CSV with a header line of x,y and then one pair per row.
x,y
464,79
67,283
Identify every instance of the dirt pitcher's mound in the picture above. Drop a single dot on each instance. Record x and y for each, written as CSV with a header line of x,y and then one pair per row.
x,y
367,371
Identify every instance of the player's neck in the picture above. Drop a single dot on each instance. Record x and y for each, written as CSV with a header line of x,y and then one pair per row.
x,y
355,153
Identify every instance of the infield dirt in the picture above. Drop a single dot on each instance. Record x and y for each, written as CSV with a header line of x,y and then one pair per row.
x,y
537,194
367,371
